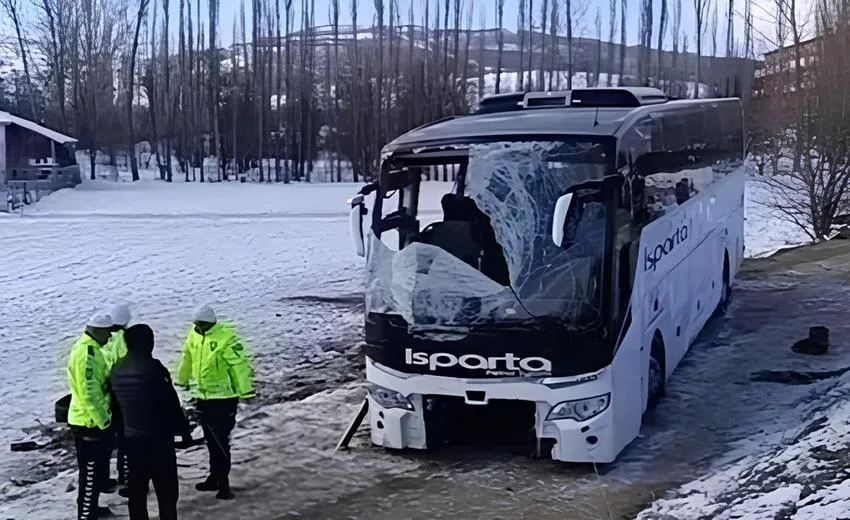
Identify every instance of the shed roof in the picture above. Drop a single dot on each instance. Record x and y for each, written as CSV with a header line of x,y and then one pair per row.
x,y
7,118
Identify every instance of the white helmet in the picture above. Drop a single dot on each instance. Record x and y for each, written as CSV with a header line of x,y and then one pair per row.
x,y
120,314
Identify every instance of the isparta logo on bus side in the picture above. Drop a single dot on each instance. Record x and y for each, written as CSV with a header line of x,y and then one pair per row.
x,y
651,257
502,365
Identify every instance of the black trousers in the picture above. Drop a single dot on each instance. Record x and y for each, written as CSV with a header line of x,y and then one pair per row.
x,y
93,447
218,417
151,461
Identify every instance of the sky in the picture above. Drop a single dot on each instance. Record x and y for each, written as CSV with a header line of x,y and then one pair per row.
x,y
585,15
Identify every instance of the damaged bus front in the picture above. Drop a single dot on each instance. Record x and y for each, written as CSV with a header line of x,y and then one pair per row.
x,y
490,303
555,285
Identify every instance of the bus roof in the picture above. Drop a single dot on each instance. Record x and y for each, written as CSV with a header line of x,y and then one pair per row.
x,y
603,121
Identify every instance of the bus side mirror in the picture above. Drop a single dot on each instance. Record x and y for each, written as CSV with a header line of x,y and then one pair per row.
x,y
355,223
560,217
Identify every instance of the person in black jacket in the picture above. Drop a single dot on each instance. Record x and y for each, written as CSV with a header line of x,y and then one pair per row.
x,y
151,418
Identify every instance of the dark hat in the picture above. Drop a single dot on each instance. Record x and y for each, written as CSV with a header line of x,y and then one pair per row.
x,y
139,338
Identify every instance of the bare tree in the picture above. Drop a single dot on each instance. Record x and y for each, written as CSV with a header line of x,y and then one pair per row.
x,y
612,24
279,78
270,86
624,6
530,43
730,29
53,44
168,112
813,193
714,22
662,30
214,82
457,18
554,73
677,26
235,88
182,99
701,10
748,29
521,34
13,11
544,17
259,83
570,44
379,11
598,47
500,42
644,35
288,87
194,72
309,87
131,76
356,102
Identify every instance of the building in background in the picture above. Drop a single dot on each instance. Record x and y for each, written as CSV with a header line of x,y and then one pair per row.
x,y
35,158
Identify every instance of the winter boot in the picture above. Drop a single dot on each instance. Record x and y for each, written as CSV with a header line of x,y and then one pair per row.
x,y
224,492
210,484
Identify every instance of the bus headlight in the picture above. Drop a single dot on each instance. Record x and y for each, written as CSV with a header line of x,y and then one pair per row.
x,y
389,398
580,409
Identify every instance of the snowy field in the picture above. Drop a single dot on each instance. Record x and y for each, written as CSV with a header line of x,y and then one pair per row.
x,y
277,260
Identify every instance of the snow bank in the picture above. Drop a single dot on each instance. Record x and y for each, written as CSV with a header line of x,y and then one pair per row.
x,y
802,477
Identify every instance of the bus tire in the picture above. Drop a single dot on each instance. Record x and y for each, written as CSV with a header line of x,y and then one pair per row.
x,y
656,377
725,288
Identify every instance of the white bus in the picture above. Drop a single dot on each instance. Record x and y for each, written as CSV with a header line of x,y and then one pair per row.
x,y
588,237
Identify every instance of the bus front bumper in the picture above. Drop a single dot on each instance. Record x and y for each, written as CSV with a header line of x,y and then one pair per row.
x,y
397,403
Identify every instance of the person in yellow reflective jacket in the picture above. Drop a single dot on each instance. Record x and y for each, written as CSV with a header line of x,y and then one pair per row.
x,y
90,414
215,363
114,351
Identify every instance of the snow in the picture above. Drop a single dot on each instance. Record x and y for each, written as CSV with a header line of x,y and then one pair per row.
x,y
802,474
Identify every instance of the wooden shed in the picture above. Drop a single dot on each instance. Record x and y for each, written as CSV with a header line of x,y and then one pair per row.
x,y
34,156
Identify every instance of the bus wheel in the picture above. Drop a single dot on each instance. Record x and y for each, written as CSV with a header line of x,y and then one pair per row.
x,y
725,289
656,372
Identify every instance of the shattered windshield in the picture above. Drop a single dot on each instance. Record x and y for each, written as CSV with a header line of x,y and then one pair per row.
x,y
490,256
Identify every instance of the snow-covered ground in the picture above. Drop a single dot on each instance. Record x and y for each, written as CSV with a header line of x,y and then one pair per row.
x,y
277,260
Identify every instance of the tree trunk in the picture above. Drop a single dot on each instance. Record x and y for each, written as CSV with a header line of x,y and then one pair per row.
x,y
183,80
624,6
521,35
570,44
131,150
662,28
541,74
530,43
288,90
500,39
167,114
279,91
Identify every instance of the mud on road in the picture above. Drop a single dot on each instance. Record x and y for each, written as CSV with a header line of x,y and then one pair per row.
x,y
716,408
